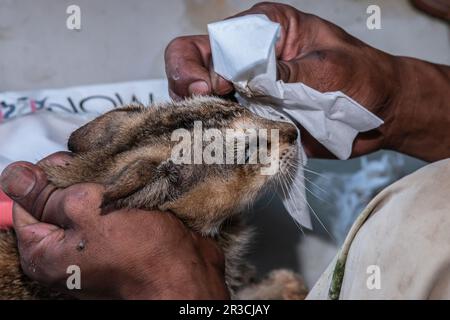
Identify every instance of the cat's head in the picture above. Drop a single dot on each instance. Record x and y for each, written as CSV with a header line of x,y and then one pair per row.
x,y
201,157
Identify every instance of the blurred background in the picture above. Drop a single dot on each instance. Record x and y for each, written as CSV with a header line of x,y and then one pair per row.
x,y
125,41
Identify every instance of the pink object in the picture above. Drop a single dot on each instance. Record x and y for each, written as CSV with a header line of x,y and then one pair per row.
x,y
6,205
33,105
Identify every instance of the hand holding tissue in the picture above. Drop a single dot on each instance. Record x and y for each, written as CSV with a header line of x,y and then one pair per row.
x,y
243,52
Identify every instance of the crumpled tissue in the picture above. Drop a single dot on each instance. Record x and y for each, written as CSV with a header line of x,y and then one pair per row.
x,y
243,52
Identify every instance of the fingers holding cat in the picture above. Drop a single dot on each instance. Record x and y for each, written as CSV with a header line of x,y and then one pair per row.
x,y
188,68
51,225
35,227
189,64
58,228
28,186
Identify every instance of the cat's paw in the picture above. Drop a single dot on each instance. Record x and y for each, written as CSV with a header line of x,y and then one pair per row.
x,y
278,285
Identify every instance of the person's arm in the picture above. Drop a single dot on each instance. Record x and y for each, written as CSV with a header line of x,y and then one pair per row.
x,y
126,254
411,96
421,112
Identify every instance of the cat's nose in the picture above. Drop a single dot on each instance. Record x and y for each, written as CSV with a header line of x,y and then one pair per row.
x,y
291,134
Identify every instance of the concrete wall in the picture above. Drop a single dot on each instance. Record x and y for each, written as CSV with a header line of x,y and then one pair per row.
x,y
125,40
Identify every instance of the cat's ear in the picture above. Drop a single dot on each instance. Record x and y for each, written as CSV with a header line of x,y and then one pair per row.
x,y
141,184
99,132
127,181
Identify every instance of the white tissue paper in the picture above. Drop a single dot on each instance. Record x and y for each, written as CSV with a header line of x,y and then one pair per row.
x,y
243,52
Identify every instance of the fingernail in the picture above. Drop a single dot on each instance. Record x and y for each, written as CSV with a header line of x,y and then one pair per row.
x,y
198,87
17,181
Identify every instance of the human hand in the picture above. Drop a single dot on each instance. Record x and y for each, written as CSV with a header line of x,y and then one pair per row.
x,y
125,254
310,50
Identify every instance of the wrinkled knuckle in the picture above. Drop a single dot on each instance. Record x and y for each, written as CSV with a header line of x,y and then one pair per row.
x,y
333,73
72,200
39,262
176,43
263,7
31,263
79,198
268,6
170,48
335,60
284,72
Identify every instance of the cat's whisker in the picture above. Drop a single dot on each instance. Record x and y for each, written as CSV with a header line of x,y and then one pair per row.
x,y
307,169
316,185
297,188
317,217
290,174
284,185
310,191
316,173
